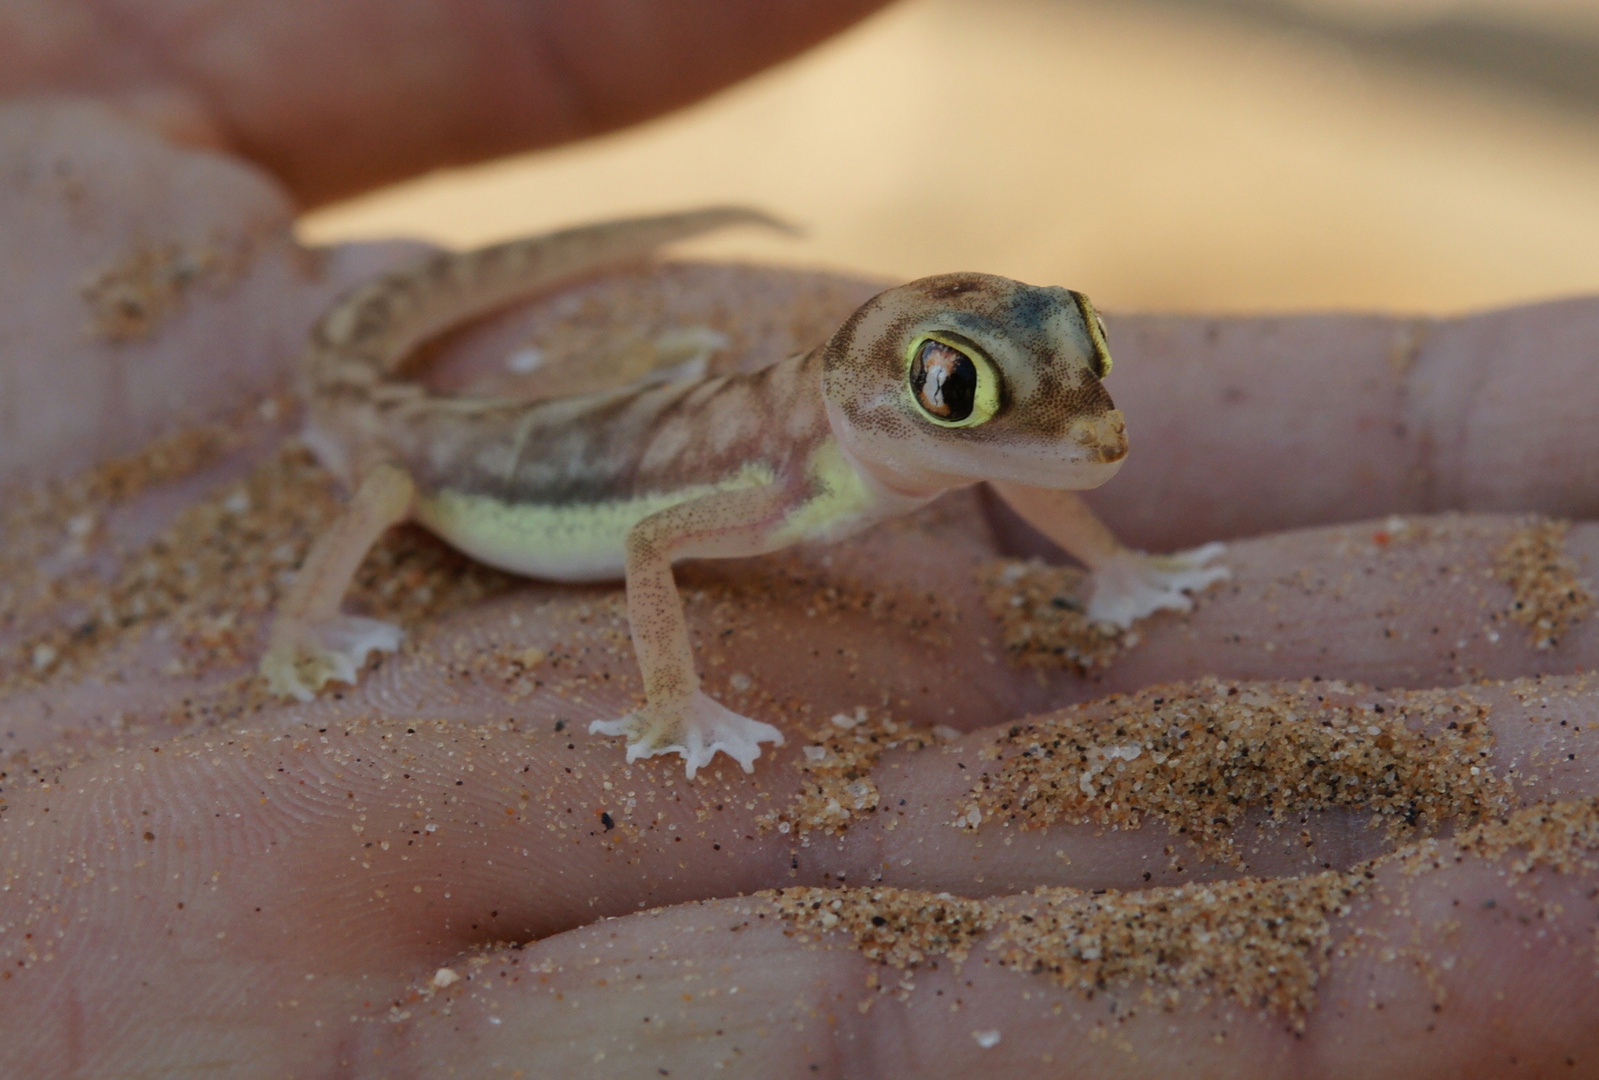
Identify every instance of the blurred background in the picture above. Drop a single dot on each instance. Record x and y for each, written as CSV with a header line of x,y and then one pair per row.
x,y
1171,155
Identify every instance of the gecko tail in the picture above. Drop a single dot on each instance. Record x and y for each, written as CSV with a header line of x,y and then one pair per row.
x,y
368,334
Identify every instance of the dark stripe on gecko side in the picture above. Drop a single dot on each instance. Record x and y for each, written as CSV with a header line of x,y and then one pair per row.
x,y
622,444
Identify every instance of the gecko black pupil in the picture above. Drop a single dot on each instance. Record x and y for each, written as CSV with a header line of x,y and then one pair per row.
x,y
944,381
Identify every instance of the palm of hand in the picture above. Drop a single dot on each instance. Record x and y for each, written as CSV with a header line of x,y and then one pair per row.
x,y
276,887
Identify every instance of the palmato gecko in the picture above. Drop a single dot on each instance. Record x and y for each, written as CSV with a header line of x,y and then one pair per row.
x,y
930,386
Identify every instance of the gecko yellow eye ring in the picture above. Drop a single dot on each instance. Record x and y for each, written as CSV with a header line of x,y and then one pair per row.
x,y
623,482
1097,331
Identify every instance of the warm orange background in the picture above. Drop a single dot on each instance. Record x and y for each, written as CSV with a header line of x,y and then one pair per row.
x,y
1155,155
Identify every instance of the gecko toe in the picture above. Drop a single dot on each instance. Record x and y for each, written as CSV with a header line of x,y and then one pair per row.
x,y
304,657
699,729
1137,585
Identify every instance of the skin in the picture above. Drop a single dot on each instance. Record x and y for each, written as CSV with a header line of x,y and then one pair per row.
x,y
270,956
381,91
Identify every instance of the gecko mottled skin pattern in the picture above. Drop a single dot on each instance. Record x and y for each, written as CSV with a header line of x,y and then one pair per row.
x,y
934,385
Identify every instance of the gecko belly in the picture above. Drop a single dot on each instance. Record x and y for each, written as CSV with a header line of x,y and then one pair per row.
x,y
585,541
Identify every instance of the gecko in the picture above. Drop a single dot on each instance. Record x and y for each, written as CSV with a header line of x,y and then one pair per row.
x,y
934,385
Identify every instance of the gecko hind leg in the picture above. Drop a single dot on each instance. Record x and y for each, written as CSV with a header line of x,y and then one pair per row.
x,y
698,729
1129,585
311,643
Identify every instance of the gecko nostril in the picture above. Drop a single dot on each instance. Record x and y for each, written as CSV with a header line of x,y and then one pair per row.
x,y
1104,437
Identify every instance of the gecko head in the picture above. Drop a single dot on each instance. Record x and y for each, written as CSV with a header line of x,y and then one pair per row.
x,y
964,377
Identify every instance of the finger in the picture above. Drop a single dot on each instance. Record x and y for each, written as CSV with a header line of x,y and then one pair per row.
x,y
483,831
147,287
1240,426
1407,992
898,620
1422,601
1257,787
337,99
1482,412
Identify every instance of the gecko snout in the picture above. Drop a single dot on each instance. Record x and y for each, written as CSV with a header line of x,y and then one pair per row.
x,y
1103,436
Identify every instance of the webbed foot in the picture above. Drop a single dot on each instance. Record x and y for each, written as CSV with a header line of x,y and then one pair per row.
x,y
1134,584
697,729
302,657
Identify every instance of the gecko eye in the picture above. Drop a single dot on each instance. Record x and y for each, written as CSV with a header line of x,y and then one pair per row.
x,y
951,381
944,381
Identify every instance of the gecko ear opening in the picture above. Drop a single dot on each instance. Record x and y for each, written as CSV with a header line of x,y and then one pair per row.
x,y
951,382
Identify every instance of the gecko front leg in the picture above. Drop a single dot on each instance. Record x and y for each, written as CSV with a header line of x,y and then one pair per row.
x,y
1126,585
678,717
311,643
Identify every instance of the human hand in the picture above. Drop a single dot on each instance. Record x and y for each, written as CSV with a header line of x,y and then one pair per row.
x,y
334,99
294,917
